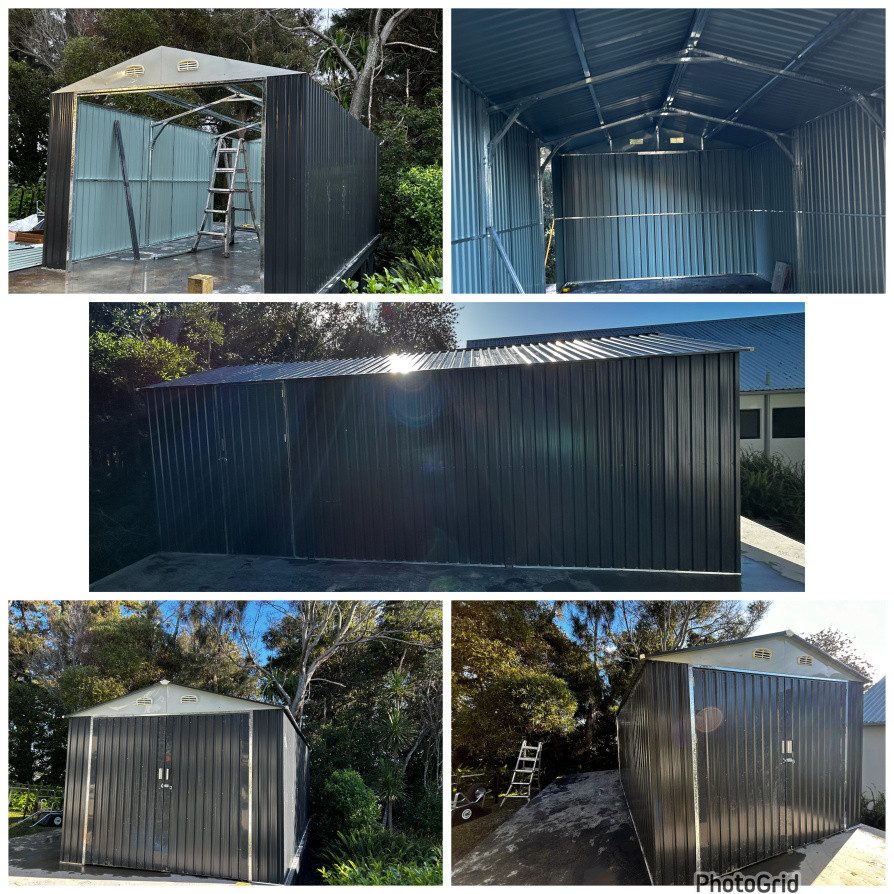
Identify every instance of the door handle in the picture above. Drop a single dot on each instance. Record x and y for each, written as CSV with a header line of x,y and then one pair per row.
x,y
788,760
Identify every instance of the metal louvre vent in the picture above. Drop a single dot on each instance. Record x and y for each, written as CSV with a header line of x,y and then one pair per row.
x,y
189,699
188,65
805,659
144,700
762,654
134,71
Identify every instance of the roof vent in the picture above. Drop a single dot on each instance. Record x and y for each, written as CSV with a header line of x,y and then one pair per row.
x,y
762,654
144,700
188,65
636,141
189,699
676,139
805,659
134,71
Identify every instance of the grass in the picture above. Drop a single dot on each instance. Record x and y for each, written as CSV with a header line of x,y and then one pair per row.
x,y
18,827
466,836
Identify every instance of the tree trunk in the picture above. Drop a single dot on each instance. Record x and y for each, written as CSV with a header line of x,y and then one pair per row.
x,y
364,80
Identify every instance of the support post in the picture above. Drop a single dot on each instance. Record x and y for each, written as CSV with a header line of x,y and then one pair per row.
x,y
135,242
498,244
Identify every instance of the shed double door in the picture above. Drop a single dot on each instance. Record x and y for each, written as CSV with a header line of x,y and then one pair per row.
x,y
770,760
170,793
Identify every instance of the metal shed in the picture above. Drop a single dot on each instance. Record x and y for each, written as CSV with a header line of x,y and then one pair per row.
x,y
734,752
603,453
684,143
314,168
176,779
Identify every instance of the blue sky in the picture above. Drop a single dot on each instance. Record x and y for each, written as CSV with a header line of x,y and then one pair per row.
x,y
490,319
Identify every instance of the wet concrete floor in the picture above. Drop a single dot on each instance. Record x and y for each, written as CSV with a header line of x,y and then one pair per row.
x,y
732,283
119,273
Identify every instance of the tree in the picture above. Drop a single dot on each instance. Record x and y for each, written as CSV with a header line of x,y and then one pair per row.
x,y
841,647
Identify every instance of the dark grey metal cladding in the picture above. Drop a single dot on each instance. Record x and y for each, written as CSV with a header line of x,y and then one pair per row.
x,y
267,834
295,789
76,784
321,186
59,169
757,799
255,468
854,762
187,458
655,749
628,464
209,793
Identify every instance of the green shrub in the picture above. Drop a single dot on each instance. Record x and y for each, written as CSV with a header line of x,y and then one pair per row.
x,y
375,872
423,814
773,490
418,220
872,809
420,273
366,845
351,805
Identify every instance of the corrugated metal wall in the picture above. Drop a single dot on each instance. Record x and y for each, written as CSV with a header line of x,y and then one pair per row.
x,y
267,831
641,216
854,765
295,789
62,123
321,190
619,464
516,199
76,784
773,202
655,751
842,200
181,168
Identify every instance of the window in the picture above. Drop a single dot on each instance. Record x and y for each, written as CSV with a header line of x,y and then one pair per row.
x,y
188,699
188,65
749,424
133,71
144,700
788,422
805,659
762,654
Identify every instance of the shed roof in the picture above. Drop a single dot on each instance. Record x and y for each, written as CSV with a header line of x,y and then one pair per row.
x,y
160,69
775,364
779,56
786,634
607,348
874,704
165,698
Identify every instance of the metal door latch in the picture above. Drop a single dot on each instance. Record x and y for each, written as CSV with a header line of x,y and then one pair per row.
x,y
788,760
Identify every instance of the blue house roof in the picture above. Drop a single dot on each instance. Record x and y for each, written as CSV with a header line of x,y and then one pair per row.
x,y
775,364
874,704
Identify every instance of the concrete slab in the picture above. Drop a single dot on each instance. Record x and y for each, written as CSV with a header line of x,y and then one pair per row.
x,y
34,860
195,572
731,283
783,554
118,273
577,831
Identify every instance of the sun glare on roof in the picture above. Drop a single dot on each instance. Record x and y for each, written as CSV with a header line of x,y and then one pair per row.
x,y
401,363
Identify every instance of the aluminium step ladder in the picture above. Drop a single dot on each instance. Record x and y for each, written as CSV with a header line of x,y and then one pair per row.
x,y
227,158
526,774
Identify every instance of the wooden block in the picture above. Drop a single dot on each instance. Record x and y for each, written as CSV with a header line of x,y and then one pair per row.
x,y
200,284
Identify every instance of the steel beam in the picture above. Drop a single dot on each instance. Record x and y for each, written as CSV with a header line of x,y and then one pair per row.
x,y
505,259
495,139
183,104
695,32
571,16
832,30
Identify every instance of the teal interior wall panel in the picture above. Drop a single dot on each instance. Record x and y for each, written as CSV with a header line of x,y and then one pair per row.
x,y
774,222
181,168
253,153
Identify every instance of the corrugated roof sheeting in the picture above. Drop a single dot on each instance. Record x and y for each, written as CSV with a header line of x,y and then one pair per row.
x,y
874,704
842,204
626,217
181,167
777,340
609,348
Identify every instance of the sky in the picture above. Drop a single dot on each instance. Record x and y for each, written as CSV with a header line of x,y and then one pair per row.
x,y
864,620
490,319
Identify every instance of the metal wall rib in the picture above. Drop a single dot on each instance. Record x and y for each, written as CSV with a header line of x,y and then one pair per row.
x,y
854,763
516,200
623,464
295,790
655,751
59,155
268,835
641,216
76,785
773,201
842,202
321,186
